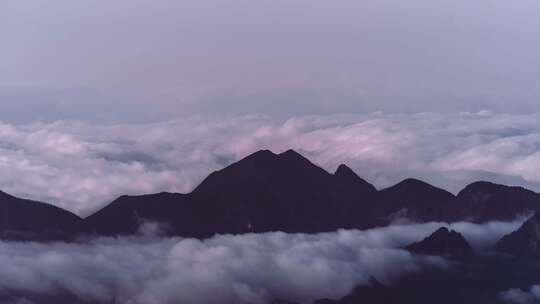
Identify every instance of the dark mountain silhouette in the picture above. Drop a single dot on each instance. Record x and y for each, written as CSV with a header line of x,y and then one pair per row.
x,y
524,242
276,192
485,201
263,192
347,179
272,192
445,243
127,214
472,281
414,200
22,219
286,192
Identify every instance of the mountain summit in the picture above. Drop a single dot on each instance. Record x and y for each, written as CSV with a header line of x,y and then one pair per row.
x,y
260,193
346,175
443,242
485,201
414,200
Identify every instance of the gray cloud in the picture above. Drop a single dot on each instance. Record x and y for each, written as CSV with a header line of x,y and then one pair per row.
x,y
518,296
252,268
81,166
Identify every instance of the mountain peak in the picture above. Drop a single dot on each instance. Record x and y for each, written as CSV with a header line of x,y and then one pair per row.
x,y
413,183
347,176
525,241
292,155
415,187
480,187
265,169
343,170
483,201
414,200
442,232
267,157
443,242
260,155
28,220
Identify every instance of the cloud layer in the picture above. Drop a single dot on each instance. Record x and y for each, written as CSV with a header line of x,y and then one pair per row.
x,y
518,296
81,166
252,268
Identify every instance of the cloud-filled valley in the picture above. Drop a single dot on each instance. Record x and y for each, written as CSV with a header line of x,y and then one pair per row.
x,y
251,268
81,166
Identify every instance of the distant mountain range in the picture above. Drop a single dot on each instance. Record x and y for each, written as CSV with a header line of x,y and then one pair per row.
x,y
270,192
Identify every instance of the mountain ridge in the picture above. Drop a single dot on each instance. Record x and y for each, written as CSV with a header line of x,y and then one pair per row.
x,y
525,241
286,192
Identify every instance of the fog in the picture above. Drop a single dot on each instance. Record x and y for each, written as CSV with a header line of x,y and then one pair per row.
x,y
518,296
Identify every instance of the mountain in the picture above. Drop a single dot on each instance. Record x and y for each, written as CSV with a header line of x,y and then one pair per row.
x,y
414,200
286,192
22,219
346,178
445,243
271,192
524,242
127,214
268,192
485,201
260,193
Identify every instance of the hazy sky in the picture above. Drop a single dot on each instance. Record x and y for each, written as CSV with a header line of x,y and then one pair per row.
x,y
138,60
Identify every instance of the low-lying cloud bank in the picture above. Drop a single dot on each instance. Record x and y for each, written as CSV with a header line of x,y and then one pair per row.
x,y
518,296
252,268
82,166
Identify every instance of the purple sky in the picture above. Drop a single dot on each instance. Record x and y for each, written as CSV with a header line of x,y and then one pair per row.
x,y
141,60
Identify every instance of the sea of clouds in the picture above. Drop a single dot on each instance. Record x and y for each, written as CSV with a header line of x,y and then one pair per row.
x,y
251,268
82,166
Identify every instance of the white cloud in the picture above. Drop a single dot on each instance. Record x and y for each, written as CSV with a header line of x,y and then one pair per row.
x,y
252,268
225,269
82,166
